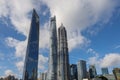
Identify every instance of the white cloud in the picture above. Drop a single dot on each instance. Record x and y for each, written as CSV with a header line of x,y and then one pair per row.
x,y
109,60
82,13
44,36
94,60
20,65
77,15
9,72
20,46
18,13
4,8
11,41
76,40
92,51
42,62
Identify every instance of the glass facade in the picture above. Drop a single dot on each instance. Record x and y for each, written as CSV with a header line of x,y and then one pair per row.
x,y
63,55
82,70
73,72
92,71
31,59
52,69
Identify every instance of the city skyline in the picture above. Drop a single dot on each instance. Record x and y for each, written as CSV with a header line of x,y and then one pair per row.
x,y
93,32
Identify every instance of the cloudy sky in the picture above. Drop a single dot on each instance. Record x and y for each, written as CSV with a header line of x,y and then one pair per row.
x,y
93,29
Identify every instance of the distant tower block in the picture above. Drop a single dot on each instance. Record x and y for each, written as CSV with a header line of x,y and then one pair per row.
x,y
92,71
31,59
52,71
63,56
82,70
73,72
104,70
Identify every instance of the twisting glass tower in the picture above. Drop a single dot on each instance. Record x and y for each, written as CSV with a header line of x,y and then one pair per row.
x,y
63,56
31,59
52,71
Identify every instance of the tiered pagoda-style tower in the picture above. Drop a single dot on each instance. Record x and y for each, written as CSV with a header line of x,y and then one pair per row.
x,y
63,56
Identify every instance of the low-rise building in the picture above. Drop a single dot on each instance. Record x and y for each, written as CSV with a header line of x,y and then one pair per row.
x,y
116,72
109,76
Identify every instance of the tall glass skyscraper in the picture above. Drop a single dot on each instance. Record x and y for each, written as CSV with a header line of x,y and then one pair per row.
x,y
31,59
52,70
81,69
63,56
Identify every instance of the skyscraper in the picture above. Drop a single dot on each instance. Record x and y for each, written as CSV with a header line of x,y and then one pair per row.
x,y
105,70
63,56
73,72
31,59
52,71
81,69
43,76
92,71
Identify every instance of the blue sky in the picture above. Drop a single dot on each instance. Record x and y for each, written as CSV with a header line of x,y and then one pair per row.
x,y
93,28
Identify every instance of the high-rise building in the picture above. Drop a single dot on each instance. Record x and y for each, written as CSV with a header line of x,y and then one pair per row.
x,y
92,71
73,72
104,70
81,69
116,72
43,76
52,69
31,59
63,56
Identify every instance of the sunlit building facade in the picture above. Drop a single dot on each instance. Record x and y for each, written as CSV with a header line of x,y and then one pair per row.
x,y
81,69
52,67
63,56
92,71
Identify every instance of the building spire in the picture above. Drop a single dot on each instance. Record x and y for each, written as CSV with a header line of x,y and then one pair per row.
x,y
34,14
32,51
53,18
61,24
